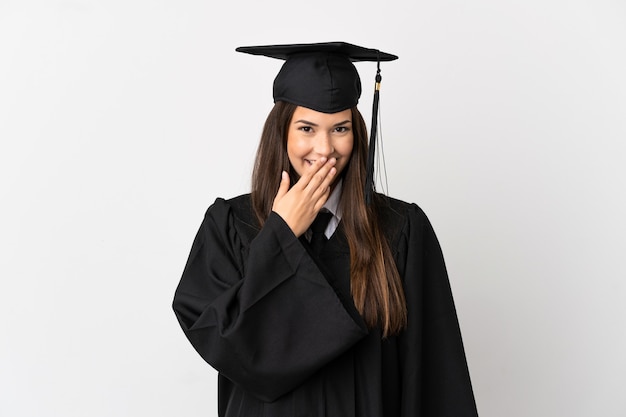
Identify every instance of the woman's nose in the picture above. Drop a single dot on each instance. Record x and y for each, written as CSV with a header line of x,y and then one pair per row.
x,y
324,145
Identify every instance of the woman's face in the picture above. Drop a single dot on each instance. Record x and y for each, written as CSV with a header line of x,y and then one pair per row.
x,y
313,135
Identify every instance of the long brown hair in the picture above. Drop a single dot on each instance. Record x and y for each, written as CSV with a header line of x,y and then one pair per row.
x,y
375,283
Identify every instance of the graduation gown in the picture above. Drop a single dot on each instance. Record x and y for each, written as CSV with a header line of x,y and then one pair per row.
x,y
279,325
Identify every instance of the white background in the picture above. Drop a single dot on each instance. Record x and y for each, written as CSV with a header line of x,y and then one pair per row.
x,y
121,121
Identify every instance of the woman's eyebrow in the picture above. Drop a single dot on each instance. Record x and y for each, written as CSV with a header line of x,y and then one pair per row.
x,y
313,124
306,122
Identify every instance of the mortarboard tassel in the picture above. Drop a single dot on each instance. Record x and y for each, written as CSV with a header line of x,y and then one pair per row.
x,y
369,172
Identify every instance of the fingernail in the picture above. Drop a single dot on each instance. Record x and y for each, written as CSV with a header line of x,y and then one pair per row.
x,y
323,159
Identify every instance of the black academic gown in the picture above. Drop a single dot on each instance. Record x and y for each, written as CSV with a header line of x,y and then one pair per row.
x,y
279,324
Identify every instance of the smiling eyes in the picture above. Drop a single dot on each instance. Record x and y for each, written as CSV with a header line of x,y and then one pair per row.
x,y
337,129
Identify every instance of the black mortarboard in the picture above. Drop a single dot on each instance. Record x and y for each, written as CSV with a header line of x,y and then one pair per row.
x,y
321,76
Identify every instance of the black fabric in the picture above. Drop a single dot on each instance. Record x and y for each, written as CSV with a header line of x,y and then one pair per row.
x,y
318,227
279,325
353,52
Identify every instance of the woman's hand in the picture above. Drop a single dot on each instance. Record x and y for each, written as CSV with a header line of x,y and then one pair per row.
x,y
299,205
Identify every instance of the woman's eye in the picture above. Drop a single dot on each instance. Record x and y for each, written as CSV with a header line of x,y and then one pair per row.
x,y
341,129
305,128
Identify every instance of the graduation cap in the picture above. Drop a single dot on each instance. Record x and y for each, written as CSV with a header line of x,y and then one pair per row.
x,y
322,77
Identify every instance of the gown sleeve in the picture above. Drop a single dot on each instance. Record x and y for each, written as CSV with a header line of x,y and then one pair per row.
x,y
260,312
435,379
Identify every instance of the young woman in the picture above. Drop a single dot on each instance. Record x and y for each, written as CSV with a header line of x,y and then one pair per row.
x,y
361,324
